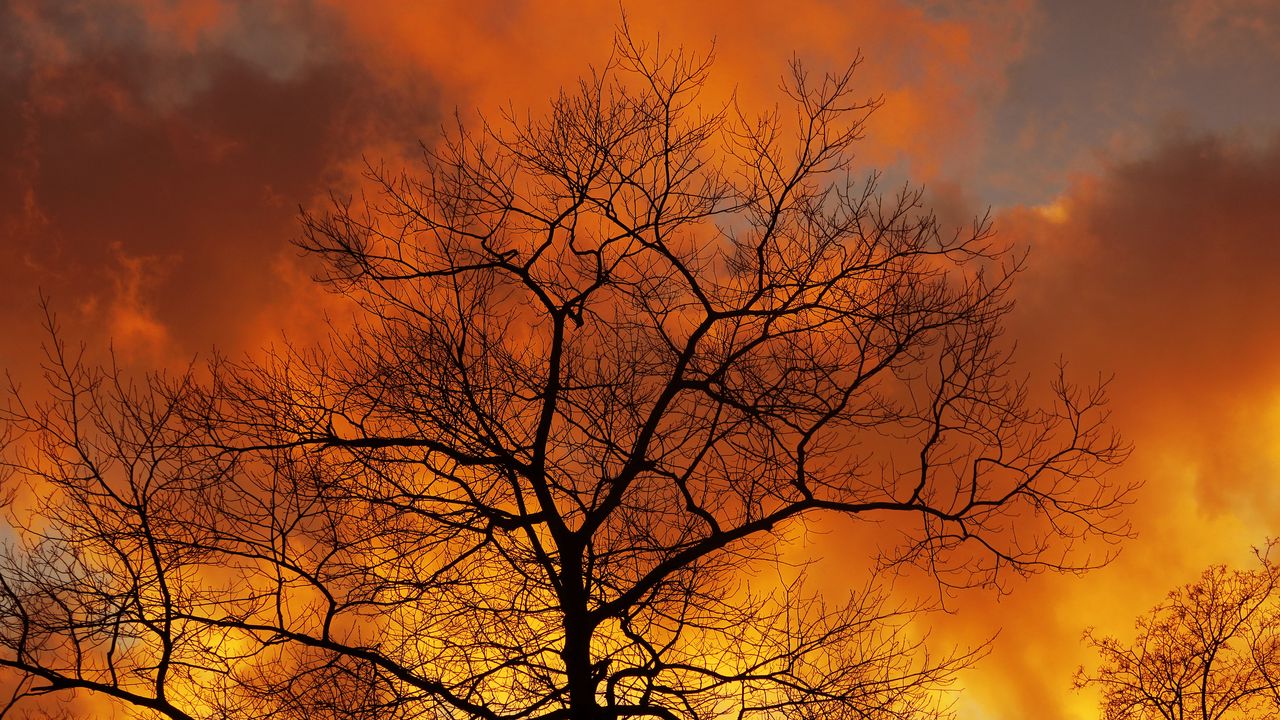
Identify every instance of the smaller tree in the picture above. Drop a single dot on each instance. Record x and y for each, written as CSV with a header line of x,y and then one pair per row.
x,y
1211,651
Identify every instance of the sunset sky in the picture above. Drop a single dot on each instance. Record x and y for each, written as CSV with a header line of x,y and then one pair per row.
x,y
154,155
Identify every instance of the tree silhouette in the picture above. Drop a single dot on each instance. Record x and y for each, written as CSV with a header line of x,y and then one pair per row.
x,y
609,361
1210,651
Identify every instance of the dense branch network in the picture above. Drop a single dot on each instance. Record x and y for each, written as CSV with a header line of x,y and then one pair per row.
x,y
609,360
1210,651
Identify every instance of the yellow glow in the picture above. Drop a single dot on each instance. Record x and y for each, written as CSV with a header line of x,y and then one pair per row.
x,y
1055,212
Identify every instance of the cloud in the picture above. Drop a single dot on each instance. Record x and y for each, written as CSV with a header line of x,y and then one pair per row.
x,y
938,64
189,133
1097,77
1165,272
1161,270
192,131
157,152
132,322
1208,22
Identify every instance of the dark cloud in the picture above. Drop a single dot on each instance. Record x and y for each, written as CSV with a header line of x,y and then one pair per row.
x,y
1099,75
1161,270
1164,270
159,150
155,182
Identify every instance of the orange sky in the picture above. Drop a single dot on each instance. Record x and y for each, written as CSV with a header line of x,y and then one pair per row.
x,y
155,154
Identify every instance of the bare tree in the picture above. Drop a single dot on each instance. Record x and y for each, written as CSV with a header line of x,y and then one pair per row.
x,y
1210,651
610,361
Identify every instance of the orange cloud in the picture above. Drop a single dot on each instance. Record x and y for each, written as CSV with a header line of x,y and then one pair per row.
x,y
192,131
1161,270
936,68
132,323
188,132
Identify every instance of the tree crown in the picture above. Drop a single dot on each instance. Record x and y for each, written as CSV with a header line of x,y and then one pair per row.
x,y
606,358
